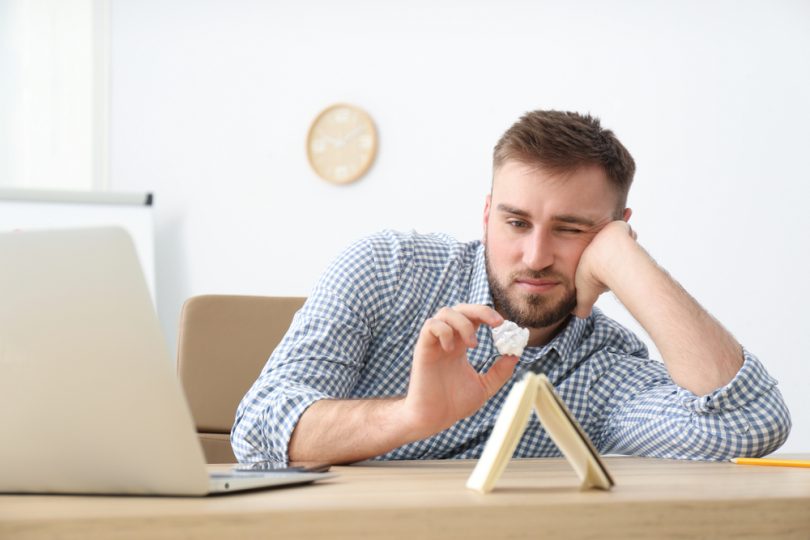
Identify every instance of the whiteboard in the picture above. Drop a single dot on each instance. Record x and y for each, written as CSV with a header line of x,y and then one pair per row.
x,y
27,209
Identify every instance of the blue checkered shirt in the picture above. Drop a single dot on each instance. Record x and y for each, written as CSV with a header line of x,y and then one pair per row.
x,y
355,336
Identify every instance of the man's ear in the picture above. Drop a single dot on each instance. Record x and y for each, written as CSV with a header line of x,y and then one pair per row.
x,y
487,204
627,213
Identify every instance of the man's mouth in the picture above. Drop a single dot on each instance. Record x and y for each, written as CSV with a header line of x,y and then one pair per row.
x,y
536,286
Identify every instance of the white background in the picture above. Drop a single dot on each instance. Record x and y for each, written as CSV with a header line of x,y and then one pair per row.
x,y
211,101
54,94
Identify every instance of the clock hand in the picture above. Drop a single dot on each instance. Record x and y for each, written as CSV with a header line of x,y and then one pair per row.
x,y
351,134
332,140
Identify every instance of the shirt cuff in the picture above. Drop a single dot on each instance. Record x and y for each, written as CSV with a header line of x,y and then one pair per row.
x,y
288,404
750,382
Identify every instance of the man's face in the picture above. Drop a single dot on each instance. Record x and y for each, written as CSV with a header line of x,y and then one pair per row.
x,y
536,226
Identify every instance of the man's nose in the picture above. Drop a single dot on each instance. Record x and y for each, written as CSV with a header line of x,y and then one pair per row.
x,y
538,252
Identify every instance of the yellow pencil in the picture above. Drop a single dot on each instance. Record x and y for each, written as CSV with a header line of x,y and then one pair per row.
x,y
765,462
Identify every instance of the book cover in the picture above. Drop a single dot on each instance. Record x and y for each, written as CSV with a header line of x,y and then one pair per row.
x,y
535,392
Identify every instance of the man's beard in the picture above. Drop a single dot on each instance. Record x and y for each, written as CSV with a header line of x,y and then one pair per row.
x,y
536,311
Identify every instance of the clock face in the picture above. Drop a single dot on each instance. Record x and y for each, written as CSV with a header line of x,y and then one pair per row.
x,y
342,143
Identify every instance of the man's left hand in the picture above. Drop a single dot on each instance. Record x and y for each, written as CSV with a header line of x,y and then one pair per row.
x,y
602,256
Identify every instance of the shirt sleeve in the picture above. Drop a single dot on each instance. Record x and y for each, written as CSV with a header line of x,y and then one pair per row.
x,y
746,417
321,356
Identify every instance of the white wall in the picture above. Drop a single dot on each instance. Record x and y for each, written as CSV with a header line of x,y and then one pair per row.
x,y
54,94
211,102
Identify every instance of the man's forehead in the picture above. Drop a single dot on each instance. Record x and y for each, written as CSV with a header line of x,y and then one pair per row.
x,y
514,181
515,168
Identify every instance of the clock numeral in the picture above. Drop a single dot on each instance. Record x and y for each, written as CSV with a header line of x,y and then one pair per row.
x,y
342,115
318,146
341,172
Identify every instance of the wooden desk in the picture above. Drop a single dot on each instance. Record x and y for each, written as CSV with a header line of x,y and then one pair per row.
x,y
534,499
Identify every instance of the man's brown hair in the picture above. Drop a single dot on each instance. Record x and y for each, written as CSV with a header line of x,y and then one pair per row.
x,y
561,142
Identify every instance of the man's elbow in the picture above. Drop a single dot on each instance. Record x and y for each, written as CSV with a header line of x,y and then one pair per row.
x,y
767,433
249,443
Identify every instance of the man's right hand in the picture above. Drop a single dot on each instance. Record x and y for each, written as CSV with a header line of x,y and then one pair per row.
x,y
444,387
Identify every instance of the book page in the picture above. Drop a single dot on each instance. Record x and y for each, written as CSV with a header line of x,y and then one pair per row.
x,y
569,436
537,391
506,433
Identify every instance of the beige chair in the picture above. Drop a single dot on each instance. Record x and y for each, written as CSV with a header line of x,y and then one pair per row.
x,y
223,344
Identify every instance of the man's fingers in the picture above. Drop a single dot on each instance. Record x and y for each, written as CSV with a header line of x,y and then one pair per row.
x,y
585,303
583,312
441,332
465,319
460,323
479,314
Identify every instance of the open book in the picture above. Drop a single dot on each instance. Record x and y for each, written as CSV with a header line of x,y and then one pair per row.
x,y
535,391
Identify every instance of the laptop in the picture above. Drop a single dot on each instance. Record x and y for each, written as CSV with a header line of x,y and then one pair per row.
x,y
89,399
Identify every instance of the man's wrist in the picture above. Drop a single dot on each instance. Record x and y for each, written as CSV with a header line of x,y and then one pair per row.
x,y
623,257
396,423
410,426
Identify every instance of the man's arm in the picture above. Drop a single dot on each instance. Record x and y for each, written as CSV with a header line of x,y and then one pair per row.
x,y
300,406
344,431
727,405
698,352
443,389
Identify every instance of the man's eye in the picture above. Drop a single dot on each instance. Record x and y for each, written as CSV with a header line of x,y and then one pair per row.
x,y
517,223
570,230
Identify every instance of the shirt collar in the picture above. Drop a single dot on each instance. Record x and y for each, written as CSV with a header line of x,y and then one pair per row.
x,y
559,350
569,338
479,284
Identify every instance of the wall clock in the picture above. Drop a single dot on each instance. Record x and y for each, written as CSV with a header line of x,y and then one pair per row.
x,y
342,143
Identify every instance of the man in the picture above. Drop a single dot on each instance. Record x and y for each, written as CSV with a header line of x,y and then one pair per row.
x,y
392,355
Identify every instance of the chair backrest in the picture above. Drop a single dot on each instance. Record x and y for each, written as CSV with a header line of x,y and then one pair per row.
x,y
223,344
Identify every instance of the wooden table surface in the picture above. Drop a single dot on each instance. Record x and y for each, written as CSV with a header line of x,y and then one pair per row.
x,y
535,498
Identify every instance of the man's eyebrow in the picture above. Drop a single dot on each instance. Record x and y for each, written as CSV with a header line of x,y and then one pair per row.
x,y
512,210
575,220
564,218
